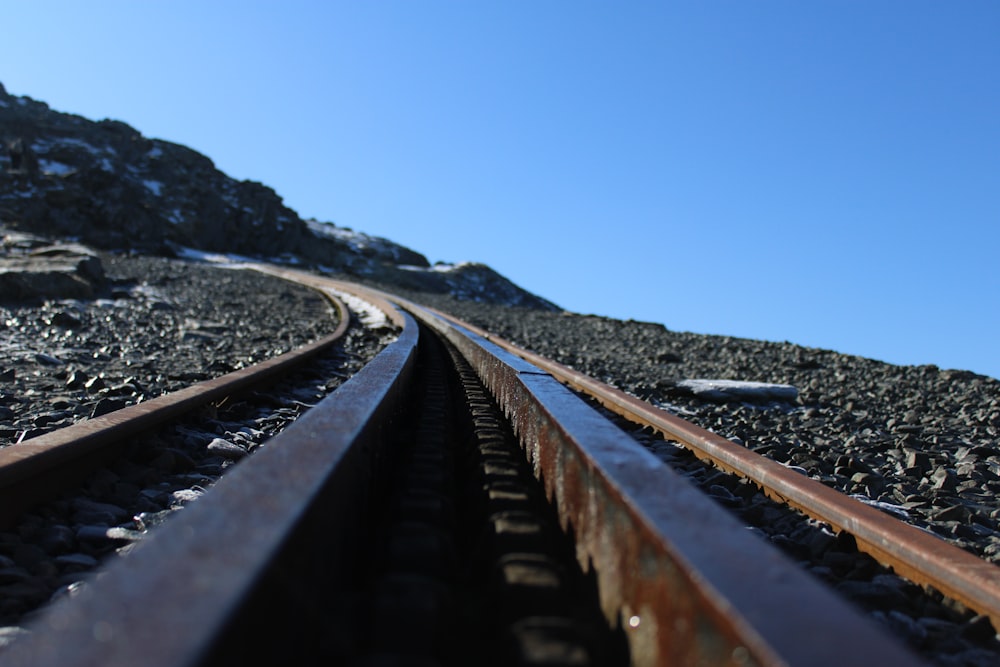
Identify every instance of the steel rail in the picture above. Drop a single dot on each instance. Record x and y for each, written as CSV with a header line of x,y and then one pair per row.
x,y
911,552
168,603
34,470
686,593
683,578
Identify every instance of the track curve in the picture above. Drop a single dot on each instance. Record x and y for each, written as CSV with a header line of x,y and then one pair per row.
x,y
676,590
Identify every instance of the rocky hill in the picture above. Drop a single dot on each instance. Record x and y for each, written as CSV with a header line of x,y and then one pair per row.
x,y
105,185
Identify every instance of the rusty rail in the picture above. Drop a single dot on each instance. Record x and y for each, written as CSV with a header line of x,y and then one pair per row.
x,y
580,455
685,582
688,583
915,554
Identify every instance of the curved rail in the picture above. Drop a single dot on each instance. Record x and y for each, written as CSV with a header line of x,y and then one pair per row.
x,y
35,469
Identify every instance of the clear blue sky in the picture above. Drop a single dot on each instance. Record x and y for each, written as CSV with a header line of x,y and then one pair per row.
x,y
826,173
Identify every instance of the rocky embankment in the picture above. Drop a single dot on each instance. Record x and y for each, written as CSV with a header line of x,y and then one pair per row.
x,y
106,185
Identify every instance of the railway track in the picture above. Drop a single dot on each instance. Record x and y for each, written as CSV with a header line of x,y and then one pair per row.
x,y
398,522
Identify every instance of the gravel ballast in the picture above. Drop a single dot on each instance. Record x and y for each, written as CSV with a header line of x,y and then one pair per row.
x,y
161,325
920,442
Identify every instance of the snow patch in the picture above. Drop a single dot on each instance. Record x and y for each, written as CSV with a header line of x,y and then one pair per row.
x,y
45,145
367,314
675,409
897,511
439,267
226,260
356,241
155,187
53,168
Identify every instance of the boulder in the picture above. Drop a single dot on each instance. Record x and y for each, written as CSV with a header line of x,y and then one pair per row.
x,y
50,271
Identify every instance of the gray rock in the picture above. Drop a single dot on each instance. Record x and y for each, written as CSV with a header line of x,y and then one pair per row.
x,y
48,359
737,390
57,271
106,405
89,511
76,561
183,496
227,449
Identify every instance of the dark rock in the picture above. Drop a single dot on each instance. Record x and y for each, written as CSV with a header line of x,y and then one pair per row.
x,y
944,479
28,555
953,513
92,512
49,418
77,379
76,562
908,628
92,534
106,405
227,449
48,359
94,384
56,271
58,539
918,461
979,629
66,320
